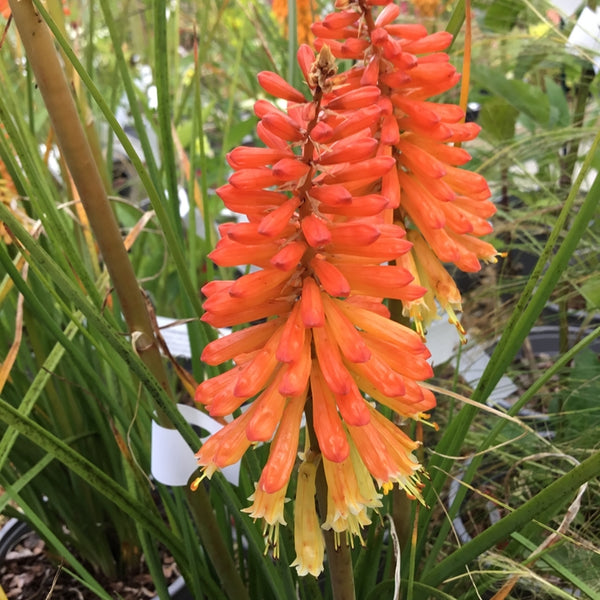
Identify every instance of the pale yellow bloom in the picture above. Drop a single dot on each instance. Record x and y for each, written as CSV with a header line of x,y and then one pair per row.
x,y
308,537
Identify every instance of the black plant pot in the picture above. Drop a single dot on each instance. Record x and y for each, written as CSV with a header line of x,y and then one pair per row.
x,y
15,531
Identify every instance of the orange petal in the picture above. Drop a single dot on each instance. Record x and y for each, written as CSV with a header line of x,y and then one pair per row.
x,y
239,342
315,231
330,360
330,277
276,221
266,412
296,374
353,407
284,448
311,305
346,335
277,86
289,256
326,421
292,339
256,373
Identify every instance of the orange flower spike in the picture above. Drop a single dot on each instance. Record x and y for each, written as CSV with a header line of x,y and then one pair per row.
x,y
308,537
326,420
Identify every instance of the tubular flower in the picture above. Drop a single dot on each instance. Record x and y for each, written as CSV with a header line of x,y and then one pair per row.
x,y
427,188
321,234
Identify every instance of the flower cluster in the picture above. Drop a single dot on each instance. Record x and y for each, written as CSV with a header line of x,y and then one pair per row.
x,y
355,198
447,205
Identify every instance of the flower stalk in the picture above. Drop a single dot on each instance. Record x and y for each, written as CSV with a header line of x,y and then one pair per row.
x,y
339,557
75,148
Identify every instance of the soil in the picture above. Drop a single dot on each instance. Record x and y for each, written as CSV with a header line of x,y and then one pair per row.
x,y
28,573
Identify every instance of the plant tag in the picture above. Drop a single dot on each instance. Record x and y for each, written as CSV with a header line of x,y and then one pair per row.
x,y
566,7
172,460
584,40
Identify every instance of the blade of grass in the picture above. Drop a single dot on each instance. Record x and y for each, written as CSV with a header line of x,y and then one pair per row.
x,y
555,495
39,525
103,483
529,307
157,201
558,567
164,109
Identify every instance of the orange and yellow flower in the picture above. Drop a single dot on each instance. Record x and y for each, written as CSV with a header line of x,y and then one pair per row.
x,y
344,174
321,235
448,205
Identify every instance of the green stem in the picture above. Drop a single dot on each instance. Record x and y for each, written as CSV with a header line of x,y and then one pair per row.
x,y
583,92
55,90
214,544
339,557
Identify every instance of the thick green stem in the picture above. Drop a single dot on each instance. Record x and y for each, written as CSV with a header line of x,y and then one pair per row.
x,y
57,96
214,545
339,557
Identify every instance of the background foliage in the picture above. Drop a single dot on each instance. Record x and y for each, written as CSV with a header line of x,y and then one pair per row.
x,y
164,90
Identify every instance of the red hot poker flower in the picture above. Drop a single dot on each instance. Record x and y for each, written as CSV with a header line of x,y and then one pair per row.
x,y
449,206
321,235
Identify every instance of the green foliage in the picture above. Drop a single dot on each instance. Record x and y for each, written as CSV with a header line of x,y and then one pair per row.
x,y
75,414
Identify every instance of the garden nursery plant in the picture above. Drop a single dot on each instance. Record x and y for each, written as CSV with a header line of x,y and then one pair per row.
x,y
356,217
